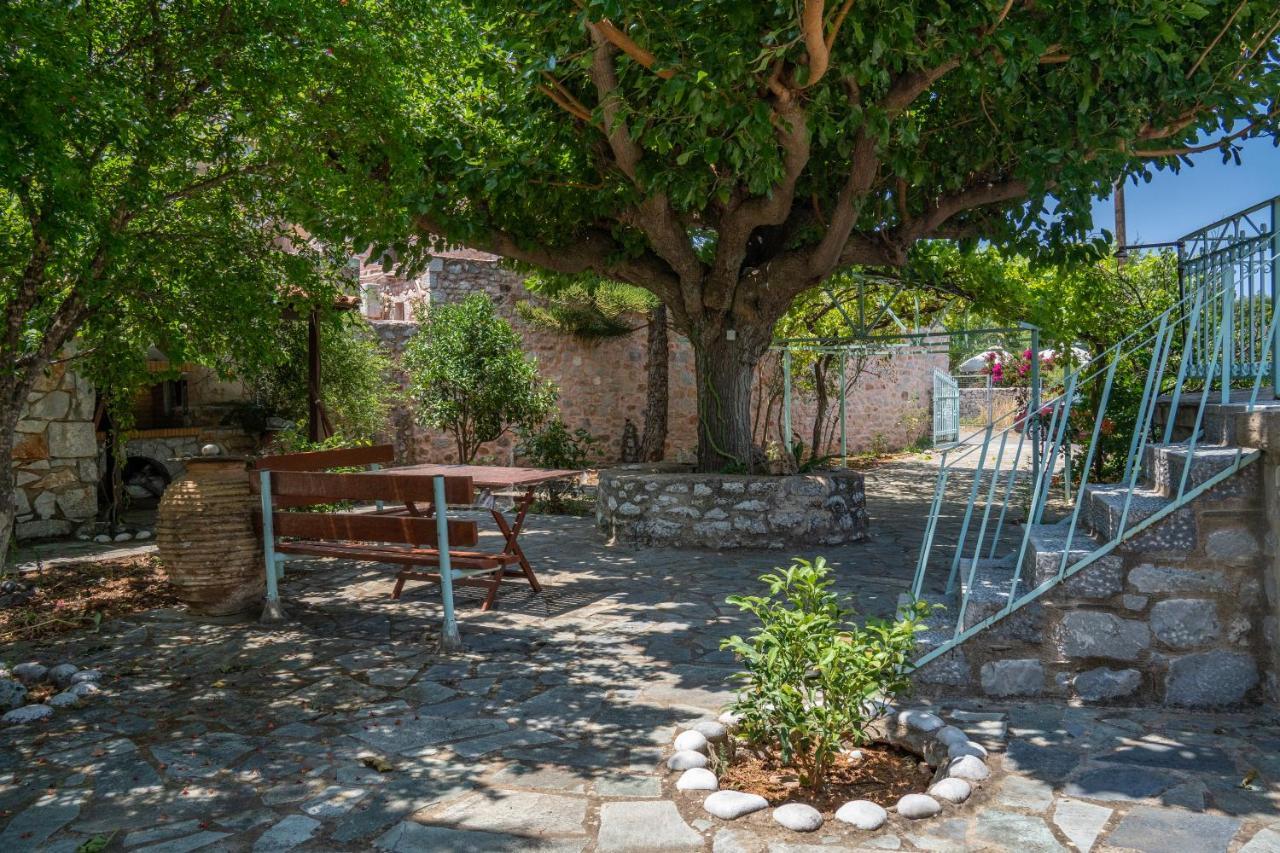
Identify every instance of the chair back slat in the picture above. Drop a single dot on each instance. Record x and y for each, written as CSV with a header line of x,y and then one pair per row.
x,y
323,460
364,527
301,487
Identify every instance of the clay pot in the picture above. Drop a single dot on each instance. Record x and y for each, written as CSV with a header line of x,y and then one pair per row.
x,y
206,537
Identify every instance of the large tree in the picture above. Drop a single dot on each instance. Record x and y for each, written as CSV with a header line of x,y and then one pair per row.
x,y
730,156
151,156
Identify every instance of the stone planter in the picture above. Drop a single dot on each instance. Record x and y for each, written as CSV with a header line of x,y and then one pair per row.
x,y
206,538
659,506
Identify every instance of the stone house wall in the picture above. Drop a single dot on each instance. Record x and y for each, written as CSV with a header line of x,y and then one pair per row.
x,y
603,383
55,456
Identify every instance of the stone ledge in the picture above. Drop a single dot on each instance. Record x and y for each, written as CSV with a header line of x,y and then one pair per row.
x,y
671,506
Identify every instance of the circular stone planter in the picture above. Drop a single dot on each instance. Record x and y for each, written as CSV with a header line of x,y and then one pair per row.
x,y
959,766
670,506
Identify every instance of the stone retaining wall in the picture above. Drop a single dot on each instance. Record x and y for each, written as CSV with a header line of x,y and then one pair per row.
x,y
55,456
644,505
603,383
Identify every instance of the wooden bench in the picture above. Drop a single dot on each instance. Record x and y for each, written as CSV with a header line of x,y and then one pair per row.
x,y
417,542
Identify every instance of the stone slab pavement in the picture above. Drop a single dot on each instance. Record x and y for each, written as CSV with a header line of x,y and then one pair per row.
x,y
344,729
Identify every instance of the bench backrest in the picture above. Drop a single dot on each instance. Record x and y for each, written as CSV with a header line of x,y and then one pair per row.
x,y
299,488
325,460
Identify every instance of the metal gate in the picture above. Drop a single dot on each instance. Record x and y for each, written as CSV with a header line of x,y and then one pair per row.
x,y
946,408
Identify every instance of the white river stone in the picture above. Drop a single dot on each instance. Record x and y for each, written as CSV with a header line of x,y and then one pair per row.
x,y
917,806
968,767
952,790
697,779
798,817
862,814
686,760
729,805
691,741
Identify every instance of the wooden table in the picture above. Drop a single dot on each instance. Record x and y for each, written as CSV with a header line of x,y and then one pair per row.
x,y
491,478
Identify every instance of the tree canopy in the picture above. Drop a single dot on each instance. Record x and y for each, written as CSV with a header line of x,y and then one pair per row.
x,y
154,158
727,157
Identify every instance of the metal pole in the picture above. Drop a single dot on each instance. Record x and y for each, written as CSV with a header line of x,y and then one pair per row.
x,y
1228,330
1033,413
844,439
315,428
449,637
1275,293
271,611
786,400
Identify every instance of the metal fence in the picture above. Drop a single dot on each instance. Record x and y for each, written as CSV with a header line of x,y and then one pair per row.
x,y
1233,264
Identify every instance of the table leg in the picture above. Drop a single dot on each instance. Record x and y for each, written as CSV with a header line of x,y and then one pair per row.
x,y
511,533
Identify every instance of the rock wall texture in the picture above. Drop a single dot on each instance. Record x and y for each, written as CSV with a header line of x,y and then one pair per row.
x,y
647,505
55,456
603,383
1182,614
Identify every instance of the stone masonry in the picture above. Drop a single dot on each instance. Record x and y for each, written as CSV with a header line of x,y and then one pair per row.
x,y
55,456
644,505
1182,614
603,383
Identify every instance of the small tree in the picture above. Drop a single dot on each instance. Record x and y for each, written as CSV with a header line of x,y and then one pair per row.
x,y
469,376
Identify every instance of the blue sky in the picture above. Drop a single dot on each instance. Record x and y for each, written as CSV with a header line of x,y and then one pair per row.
x,y
1172,205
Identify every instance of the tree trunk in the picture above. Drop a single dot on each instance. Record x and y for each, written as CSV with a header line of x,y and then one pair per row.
x,y
724,369
654,441
8,485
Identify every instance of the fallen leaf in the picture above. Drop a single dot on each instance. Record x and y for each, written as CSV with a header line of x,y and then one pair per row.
x,y
377,762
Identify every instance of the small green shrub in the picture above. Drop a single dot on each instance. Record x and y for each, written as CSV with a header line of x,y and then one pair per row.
x,y
470,378
555,446
815,681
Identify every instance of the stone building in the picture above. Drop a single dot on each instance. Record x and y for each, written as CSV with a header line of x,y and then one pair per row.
x,y
603,383
59,456
55,456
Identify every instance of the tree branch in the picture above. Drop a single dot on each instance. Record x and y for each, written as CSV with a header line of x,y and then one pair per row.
x,y
564,99
738,223
627,45
655,216
1248,130
811,30
1204,54
948,206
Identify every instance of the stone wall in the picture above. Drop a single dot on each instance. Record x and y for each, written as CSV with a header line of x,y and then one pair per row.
x,y
55,456
1182,614
656,506
603,383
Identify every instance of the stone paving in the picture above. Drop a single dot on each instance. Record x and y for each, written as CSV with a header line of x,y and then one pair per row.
x,y
344,730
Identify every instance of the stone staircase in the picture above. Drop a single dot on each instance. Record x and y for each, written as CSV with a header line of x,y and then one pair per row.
x,y
1174,614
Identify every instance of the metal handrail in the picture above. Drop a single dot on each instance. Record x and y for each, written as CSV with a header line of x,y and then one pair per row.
x,y
1049,423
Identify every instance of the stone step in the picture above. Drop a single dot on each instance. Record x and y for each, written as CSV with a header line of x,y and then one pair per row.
x,y
990,591
1045,547
941,621
1164,465
1217,426
1105,506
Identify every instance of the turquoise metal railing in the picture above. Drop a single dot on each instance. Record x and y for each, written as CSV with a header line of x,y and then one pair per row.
x,y
1185,352
1243,247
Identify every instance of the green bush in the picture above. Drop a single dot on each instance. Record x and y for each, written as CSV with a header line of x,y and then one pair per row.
x,y
814,681
555,446
355,382
469,376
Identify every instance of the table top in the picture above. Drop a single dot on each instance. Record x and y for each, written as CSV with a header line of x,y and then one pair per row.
x,y
487,476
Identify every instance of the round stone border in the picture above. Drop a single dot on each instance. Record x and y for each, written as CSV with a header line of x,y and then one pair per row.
x,y
76,685
960,766
670,506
